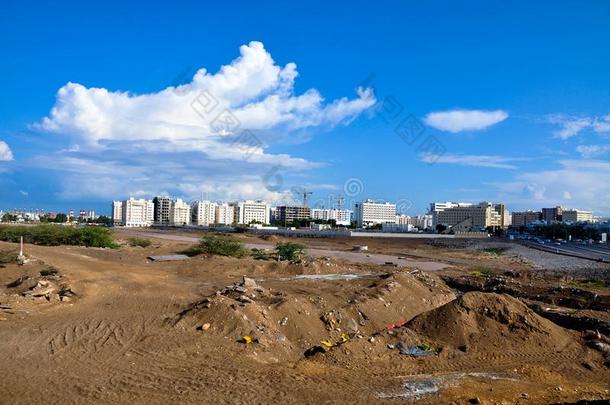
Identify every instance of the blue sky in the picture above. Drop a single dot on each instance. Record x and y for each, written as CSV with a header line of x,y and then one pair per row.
x,y
515,98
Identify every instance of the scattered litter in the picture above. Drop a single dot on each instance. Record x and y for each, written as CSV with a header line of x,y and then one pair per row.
x,y
414,351
168,258
396,325
327,343
246,340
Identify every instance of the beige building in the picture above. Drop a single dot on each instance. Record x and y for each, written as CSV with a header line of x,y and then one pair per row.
x,y
475,217
117,212
575,215
524,218
225,214
203,213
179,213
137,213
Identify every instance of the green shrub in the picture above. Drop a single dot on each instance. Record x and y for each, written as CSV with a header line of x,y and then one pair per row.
x,y
259,254
134,242
55,235
221,245
290,251
495,250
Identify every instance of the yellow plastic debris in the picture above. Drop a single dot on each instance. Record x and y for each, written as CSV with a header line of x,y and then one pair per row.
x,y
344,338
246,339
327,343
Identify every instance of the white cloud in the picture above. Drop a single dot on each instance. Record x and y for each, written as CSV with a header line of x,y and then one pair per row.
x,y
209,134
570,126
583,184
498,162
588,151
6,155
464,120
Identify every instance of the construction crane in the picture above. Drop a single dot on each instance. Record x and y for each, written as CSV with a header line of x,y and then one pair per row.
x,y
305,194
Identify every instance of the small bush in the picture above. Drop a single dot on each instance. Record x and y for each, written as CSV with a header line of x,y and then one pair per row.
x,y
259,254
482,272
290,251
8,257
221,245
495,250
138,242
55,235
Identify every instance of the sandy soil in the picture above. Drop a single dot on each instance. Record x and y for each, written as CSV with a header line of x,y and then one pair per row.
x,y
109,326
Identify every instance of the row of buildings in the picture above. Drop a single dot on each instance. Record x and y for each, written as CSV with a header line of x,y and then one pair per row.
x,y
551,215
442,216
166,211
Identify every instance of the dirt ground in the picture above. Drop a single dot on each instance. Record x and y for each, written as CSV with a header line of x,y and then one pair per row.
x,y
91,325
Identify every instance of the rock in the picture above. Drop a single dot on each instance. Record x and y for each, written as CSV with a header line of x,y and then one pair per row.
x,y
203,327
475,400
244,299
248,282
391,347
65,298
284,321
525,395
372,339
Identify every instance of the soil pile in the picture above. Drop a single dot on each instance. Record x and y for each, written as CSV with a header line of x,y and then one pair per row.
x,y
488,321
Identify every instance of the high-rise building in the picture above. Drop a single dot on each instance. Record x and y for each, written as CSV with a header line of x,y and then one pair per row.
x,y
524,218
117,212
225,214
472,217
574,215
437,207
550,215
247,212
136,213
285,214
203,213
179,213
163,206
369,212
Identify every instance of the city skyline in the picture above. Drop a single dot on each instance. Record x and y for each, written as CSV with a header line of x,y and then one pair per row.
x,y
518,114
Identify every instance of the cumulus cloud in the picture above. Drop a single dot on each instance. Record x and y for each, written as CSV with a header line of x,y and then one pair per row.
x,y
498,162
583,184
210,134
6,154
464,120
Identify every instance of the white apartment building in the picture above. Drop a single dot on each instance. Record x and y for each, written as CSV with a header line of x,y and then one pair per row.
x,y
203,213
422,221
341,217
574,215
136,213
179,213
403,219
117,212
248,211
224,214
369,212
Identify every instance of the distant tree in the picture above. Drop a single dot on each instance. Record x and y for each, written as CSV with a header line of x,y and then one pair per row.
x,y
9,217
61,218
440,228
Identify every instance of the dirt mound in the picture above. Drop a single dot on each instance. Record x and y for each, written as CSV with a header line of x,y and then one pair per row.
x,y
487,320
286,325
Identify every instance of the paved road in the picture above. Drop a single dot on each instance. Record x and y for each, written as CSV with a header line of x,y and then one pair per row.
x,y
357,257
590,252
